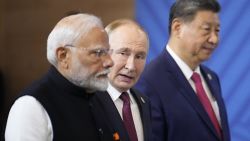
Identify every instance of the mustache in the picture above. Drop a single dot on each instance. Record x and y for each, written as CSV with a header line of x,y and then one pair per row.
x,y
104,72
128,72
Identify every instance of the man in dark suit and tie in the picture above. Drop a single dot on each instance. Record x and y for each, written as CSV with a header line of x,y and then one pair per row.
x,y
128,110
185,95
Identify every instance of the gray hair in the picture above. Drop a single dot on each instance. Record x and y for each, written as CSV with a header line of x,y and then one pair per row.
x,y
68,31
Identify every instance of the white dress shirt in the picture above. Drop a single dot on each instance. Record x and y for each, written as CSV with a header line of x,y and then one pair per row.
x,y
115,94
187,71
28,121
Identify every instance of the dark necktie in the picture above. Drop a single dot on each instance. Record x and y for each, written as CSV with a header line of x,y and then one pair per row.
x,y
127,117
205,102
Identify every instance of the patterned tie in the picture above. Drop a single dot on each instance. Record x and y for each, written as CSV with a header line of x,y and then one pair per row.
x,y
127,117
205,101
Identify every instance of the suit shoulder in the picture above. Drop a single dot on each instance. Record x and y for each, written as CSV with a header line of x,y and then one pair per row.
x,y
154,68
155,63
39,86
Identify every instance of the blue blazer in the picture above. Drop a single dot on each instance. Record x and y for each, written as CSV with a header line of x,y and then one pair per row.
x,y
116,120
177,114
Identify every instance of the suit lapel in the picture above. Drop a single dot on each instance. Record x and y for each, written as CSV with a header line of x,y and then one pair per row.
x,y
143,106
212,83
214,86
186,90
113,115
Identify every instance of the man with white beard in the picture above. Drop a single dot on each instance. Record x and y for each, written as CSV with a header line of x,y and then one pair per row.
x,y
59,106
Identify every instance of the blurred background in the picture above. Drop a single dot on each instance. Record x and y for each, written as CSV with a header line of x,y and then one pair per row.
x,y
25,25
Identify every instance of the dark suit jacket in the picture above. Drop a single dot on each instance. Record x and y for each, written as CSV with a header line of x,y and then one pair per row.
x,y
116,120
177,114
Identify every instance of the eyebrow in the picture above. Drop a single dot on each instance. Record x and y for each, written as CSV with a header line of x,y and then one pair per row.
x,y
209,23
142,52
122,49
99,47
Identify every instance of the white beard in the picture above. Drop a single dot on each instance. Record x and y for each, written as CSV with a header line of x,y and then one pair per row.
x,y
80,76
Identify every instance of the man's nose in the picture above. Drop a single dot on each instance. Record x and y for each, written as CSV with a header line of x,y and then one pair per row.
x,y
108,62
130,64
213,38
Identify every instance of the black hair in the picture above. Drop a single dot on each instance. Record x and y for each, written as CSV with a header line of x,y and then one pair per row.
x,y
187,9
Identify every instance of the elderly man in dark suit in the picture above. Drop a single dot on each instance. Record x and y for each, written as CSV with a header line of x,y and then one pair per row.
x,y
128,110
185,95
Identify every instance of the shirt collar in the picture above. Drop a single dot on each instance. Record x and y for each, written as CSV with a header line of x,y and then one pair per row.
x,y
114,93
187,71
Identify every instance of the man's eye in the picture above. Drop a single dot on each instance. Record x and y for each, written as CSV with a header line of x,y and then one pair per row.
x,y
124,53
207,29
99,53
140,56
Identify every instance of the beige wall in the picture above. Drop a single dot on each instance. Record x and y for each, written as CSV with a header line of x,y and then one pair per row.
x,y
25,25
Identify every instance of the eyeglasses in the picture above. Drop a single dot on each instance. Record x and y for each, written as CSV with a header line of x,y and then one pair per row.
x,y
98,52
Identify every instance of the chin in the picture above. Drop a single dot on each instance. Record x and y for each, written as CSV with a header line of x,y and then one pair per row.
x,y
204,57
122,87
127,87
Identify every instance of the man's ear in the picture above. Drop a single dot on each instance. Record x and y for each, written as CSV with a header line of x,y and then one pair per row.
x,y
63,55
176,27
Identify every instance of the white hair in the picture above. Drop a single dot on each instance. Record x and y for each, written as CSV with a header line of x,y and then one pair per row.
x,y
68,31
